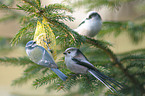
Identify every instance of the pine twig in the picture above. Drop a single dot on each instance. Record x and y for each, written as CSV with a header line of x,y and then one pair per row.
x,y
111,54
61,26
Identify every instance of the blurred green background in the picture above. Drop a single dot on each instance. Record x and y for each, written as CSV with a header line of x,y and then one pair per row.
x,y
9,28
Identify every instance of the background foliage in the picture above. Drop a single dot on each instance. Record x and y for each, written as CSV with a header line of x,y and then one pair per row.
x,y
127,68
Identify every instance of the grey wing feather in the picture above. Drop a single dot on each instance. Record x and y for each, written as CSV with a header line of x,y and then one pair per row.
x,y
109,79
47,60
85,64
102,80
96,73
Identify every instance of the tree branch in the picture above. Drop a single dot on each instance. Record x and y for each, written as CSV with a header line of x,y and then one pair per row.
x,y
96,43
115,60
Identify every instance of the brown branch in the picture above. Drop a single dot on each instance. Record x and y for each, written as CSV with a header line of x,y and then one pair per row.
x,y
115,60
113,57
132,60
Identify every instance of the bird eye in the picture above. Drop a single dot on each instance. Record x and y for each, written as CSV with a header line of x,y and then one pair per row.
x,y
34,42
69,52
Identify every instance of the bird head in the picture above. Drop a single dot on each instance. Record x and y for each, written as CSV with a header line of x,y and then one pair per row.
x,y
93,14
71,52
74,52
31,44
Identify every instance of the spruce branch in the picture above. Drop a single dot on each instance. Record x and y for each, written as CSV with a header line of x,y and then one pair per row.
x,y
32,71
71,38
114,58
116,61
77,39
57,6
8,17
50,78
63,26
23,79
21,61
132,52
133,58
33,3
3,5
134,30
20,34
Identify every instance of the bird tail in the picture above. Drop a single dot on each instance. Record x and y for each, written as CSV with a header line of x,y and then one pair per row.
x,y
103,78
59,73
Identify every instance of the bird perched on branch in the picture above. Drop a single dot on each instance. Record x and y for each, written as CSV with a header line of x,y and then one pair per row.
x,y
91,25
77,62
41,56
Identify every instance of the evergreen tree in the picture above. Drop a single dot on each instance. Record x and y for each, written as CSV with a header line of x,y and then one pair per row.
x,y
127,68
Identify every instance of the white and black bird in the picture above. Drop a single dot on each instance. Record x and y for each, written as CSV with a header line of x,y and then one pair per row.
x,y
41,56
77,62
91,25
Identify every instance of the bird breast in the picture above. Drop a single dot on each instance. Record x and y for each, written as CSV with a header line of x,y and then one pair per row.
x,y
90,28
35,54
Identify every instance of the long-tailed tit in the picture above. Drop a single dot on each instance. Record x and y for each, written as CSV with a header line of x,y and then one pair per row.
x,y
91,25
77,62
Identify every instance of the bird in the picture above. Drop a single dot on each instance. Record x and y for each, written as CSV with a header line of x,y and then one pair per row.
x,y
41,56
77,62
91,25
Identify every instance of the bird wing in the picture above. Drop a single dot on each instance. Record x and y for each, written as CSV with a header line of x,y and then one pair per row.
x,y
84,63
99,75
82,23
46,59
81,56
